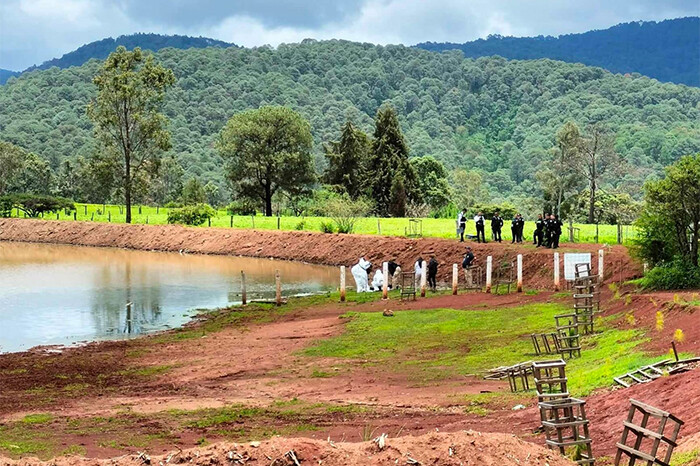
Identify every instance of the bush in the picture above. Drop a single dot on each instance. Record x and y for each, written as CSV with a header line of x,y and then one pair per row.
x,y
35,205
173,205
344,211
506,210
191,215
676,275
300,226
327,227
241,207
6,206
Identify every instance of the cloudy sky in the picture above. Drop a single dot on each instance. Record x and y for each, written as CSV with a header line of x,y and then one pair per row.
x,y
32,31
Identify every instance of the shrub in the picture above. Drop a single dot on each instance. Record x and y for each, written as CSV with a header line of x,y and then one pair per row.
x,y
300,226
6,206
173,205
676,275
241,207
327,227
344,211
35,205
191,215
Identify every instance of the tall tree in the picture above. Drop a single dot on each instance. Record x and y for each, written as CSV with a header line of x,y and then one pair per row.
x,y
11,164
193,192
131,87
596,155
267,150
389,161
167,187
561,177
347,160
431,178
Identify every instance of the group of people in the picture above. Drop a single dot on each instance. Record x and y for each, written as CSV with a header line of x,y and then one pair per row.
x,y
547,228
363,270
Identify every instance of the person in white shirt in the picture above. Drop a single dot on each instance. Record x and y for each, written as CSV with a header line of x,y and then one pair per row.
x,y
480,221
461,224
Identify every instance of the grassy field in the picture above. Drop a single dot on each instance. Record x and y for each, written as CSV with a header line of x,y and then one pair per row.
x,y
432,227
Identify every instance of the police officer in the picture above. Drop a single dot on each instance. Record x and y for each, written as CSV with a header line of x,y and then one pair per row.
x,y
519,225
556,231
496,225
480,221
548,231
539,231
461,224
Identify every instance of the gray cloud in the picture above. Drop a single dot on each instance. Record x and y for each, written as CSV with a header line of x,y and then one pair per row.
x,y
32,31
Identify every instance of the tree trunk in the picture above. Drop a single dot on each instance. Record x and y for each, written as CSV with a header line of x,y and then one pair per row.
x,y
591,207
127,188
694,244
268,200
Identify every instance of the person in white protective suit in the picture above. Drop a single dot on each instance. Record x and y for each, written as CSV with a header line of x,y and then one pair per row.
x,y
378,280
418,269
359,273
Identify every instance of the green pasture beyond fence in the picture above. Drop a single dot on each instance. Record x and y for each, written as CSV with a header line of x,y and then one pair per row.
x,y
432,227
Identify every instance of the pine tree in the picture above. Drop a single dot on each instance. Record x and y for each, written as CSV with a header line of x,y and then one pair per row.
x,y
347,160
389,161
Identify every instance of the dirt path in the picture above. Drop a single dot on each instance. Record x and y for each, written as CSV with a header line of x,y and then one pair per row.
x,y
317,248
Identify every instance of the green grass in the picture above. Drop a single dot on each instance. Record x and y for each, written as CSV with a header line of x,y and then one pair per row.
x,y
440,227
681,459
430,345
41,418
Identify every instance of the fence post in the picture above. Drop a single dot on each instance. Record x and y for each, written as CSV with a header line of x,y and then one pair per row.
x,y
278,222
244,296
556,271
85,209
571,230
489,270
520,273
157,209
147,220
342,283
109,217
601,271
58,215
423,278
278,284
379,227
75,215
252,217
385,284
231,221
455,279
209,219
619,233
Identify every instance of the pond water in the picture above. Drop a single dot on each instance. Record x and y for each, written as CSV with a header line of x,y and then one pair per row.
x,y
59,294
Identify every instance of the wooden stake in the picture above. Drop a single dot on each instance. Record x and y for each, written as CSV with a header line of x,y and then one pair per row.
x,y
342,283
278,282
675,351
379,227
520,273
423,278
385,285
556,271
601,271
489,271
244,296
455,279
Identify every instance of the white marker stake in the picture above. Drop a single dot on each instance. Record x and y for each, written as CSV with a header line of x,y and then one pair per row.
x,y
601,254
385,285
556,271
520,273
278,282
489,267
455,279
423,278
244,296
342,283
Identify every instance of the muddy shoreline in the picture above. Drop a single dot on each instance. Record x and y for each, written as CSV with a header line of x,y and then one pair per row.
x,y
310,247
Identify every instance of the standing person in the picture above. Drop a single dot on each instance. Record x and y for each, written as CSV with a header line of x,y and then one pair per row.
x,y
556,231
360,272
432,272
467,263
480,221
461,224
496,225
418,269
539,231
394,273
519,228
514,229
547,231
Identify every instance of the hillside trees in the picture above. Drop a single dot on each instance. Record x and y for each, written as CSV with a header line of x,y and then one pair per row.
x,y
347,161
126,112
431,180
267,150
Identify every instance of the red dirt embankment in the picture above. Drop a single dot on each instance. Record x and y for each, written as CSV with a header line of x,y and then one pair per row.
x,y
460,448
316,248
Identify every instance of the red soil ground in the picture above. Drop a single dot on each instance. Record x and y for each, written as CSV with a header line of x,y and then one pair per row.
x,y
459,448
317,248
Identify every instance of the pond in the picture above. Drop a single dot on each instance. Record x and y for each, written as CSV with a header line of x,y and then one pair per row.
x,y
60,294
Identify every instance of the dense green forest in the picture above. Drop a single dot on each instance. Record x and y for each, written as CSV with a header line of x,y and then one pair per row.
x,y
102,48
665,50
492,122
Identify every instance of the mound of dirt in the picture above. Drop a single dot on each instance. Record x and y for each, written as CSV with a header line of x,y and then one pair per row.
x,y
459,448
316,248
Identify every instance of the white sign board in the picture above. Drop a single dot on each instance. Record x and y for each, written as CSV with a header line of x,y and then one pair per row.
x,y
570,261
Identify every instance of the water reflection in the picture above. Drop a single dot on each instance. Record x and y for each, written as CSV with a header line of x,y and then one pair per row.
x,y
57,294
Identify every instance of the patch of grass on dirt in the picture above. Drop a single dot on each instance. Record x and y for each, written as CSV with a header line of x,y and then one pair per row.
x,y
39,418
685,458
430,345
147,371
19,439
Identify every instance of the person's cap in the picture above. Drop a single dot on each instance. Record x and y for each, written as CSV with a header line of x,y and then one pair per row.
x,y
469,248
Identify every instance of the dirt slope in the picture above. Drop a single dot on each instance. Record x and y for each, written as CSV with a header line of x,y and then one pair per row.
x,y
310,247
459,448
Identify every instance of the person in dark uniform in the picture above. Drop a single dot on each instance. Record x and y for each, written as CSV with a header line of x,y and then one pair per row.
x,y
461,224
548,229
432,272
496,225
519,226
539,231
514,229
480,221
556,232
467,263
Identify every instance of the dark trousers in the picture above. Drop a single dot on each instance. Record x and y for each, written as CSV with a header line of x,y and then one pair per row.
x,y
497,234
462,227
431,281
555,240
539,237
480,232
520,234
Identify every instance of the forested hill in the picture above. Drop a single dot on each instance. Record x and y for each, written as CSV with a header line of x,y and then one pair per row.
x,y
491,115
7,74
102,48
666,50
